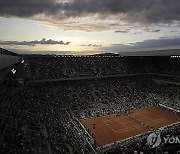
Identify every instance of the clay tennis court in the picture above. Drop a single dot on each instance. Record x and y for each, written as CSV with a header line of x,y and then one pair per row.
x,y
111,128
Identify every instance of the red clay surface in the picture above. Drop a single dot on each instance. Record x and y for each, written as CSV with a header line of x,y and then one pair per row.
x,y
111,128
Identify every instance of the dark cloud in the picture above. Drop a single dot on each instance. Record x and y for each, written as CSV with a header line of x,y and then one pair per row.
x,y
121,31
156,30
163,37
147,44
93,45
152,30
173,31
140,10
158,43
35,42
137,33
146,11
27,8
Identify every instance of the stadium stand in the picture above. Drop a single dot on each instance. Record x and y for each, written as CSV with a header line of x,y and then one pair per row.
x,y
45,117
56,67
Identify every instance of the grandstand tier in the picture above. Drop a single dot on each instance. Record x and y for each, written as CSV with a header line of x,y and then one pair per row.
x,y
68,100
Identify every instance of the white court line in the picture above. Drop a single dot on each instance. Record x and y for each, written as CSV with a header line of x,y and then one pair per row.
x,y
112,128
140,125
122,130
135,126
153,115
142,115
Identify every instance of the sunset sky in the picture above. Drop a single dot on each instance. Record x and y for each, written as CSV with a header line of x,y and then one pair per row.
x,y
88,26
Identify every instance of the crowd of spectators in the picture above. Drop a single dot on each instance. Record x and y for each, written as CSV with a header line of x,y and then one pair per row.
x,y
43,118
37,124
50,67
68,67
40,119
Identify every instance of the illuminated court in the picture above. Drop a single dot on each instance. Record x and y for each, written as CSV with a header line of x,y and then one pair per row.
x,y
111,128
